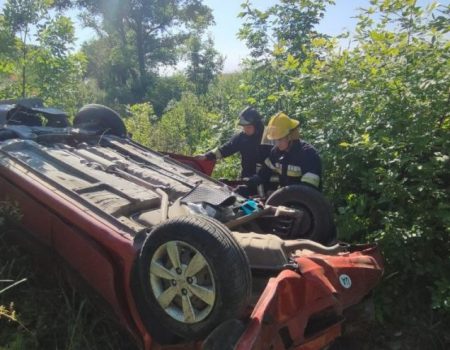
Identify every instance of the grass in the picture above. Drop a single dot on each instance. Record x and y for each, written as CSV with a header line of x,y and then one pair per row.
x,y
40,309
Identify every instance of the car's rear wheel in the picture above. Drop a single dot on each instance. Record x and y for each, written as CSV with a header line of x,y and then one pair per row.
x,y
317,221
99,118
194,276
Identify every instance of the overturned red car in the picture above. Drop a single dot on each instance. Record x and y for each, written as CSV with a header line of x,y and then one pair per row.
x,y
183,261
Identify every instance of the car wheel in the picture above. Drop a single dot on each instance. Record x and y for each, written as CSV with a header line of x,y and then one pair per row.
x,y
194,276
317,221
100,118
225,336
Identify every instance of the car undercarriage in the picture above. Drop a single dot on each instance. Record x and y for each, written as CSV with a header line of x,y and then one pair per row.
x,y
182,259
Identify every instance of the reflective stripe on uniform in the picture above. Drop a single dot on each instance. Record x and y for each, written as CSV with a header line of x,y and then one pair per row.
x,y
274,178
294,171
312,179
278,168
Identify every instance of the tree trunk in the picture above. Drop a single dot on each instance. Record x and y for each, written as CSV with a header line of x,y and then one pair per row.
x,y
141,55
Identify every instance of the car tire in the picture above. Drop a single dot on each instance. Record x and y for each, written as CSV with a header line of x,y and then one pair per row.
x,y
317,222
225,336
194,276
100,118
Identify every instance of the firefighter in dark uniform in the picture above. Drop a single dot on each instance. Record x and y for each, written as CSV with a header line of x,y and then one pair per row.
x,y
247,143
291,160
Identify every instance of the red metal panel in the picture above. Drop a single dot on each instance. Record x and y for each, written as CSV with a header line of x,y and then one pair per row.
x,y
291,300
77,233
205,166
34,216
41,193
86,257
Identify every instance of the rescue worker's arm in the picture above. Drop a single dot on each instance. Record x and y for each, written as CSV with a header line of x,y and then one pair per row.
x,y
264,173
252,183
312,169
226,150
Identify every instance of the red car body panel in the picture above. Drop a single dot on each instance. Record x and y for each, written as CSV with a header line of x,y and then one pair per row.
x,y
292,298
205,166
83,239
104,256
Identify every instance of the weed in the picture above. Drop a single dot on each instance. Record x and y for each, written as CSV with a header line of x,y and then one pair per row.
x,y
39,309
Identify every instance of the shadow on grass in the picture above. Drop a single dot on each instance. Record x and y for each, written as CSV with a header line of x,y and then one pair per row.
x,y
45,311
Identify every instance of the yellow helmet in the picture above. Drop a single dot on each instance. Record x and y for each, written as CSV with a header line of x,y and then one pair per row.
x,y
280,125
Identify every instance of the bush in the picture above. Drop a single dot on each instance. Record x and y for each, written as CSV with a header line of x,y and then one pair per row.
x,y
378,112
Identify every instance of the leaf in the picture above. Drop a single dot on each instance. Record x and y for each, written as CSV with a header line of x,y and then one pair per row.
x,y
272,98
251,101
366,138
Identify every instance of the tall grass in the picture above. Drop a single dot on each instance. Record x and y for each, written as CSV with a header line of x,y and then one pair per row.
x,y
39,309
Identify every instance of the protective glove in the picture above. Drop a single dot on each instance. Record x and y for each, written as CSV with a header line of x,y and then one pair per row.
x,y
243,190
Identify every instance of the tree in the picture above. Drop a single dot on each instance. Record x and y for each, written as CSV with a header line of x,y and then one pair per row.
x,y
113,67
56,72
37,48
167,90
20,16
8,56
278,38
205,63
150,32
286,28
183,127
138,123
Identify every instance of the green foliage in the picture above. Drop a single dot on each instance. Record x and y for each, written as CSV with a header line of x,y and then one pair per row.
x,y
184,126
138,123
112,66
57,79
225,98
193,124
284,29
20,18
166,90
205,63
137,42
22,14
279,39
228,168
56,35
44,311
6,44
45,68
379,113
137,38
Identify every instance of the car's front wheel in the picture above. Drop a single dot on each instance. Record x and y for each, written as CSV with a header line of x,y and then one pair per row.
x,y
194,276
